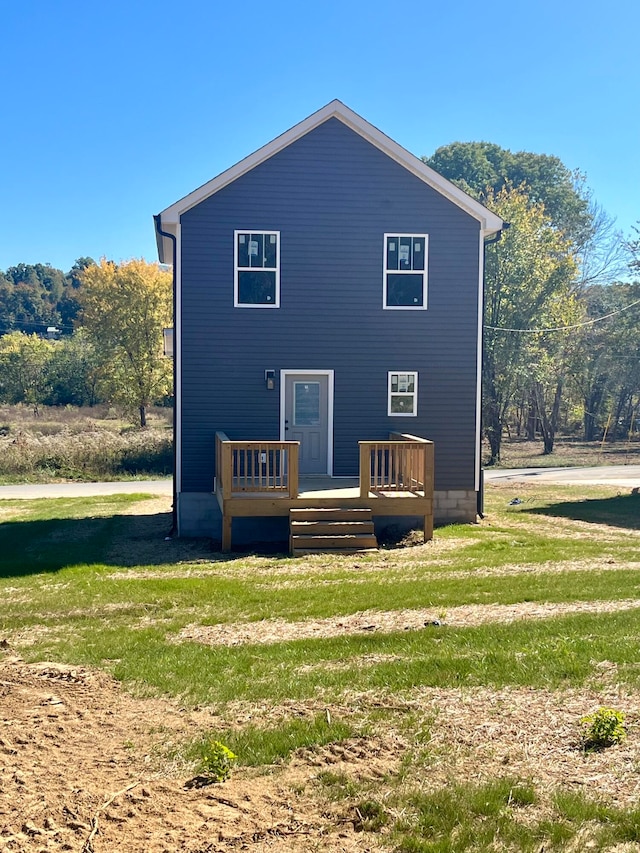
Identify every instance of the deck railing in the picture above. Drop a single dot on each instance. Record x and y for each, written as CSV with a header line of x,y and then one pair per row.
x,y
402,464
256,466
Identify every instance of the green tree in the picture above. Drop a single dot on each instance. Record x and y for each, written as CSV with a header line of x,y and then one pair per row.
x,y
75,372
24,368
528,286
124,309
483,169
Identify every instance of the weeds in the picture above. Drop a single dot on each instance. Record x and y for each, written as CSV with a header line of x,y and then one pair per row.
x,y
217,761
66,444
605,727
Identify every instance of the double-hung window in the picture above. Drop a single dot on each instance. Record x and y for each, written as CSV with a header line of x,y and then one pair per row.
x,y
257,269
405,271
403,393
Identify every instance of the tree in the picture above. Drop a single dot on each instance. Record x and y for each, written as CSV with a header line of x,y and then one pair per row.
x,y
483,169
24,363
528,279
633,246
75,372
124,309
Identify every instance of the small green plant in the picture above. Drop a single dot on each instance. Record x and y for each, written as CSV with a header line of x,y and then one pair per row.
x,y
217,761
605,727
371,816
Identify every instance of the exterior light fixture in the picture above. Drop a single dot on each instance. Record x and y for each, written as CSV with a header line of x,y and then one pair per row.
x,y
167,342
270,379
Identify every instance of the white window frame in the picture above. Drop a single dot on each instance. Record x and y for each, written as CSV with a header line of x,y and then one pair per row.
x,y
237,269
390,394
386,271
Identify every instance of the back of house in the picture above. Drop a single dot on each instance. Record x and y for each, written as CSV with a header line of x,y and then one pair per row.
x,y
328,291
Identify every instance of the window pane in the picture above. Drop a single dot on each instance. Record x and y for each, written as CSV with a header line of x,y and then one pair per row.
x,y
405,289
405,253
256,250
270,244
257,288
402,404
392,253
243,250
306,408
418,253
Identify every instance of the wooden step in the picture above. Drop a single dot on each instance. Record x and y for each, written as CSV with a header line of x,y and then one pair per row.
x,y
330,528
330,514
334,543
335,530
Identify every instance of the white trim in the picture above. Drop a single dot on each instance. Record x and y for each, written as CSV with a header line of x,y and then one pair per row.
x,y
237,269
177,356
478,454
425,274
414,393
489,222
330,374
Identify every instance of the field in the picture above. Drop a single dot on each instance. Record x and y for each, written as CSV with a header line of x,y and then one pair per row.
x,y
67,443
423,698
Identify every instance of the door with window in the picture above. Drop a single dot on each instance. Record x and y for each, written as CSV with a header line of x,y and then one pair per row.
x,y
307,420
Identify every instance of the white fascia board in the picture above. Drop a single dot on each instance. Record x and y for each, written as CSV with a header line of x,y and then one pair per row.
x,y
164,244
489,222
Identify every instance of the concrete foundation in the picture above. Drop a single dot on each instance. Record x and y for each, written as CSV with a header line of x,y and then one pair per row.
x,y
199,515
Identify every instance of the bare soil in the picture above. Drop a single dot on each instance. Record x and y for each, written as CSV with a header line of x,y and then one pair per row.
x,y
84,768
88,768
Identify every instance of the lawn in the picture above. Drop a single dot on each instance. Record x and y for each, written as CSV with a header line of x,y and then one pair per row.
x,y
428,697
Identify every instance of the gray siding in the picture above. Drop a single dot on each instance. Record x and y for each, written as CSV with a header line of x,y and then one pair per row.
x,y
332,195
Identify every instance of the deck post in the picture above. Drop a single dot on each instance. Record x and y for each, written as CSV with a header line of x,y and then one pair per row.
x,y
428,487
227,521
227,469
365,468
294,456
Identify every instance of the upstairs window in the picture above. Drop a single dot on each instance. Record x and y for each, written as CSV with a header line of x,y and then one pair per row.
x,y
405,271
257,269
403,394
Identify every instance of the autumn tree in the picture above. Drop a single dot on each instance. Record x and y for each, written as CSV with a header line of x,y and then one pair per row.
x,y
124,309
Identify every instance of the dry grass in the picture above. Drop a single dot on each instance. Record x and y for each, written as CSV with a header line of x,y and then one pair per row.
x,y
567,452
81,444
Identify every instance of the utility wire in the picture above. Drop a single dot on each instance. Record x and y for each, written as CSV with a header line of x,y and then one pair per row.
x,y
567,328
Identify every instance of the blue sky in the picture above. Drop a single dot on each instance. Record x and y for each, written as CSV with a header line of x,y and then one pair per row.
x,y
112,111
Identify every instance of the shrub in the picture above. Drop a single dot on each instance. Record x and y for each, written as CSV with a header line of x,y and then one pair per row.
x,y
217,761
603,728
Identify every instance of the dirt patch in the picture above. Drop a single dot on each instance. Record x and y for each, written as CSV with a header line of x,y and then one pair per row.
x,y
85,768
372,621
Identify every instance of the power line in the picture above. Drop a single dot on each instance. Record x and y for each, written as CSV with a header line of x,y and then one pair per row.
x,y
567,328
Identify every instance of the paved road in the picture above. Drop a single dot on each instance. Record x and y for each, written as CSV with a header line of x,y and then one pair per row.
x,y
85,490
604,475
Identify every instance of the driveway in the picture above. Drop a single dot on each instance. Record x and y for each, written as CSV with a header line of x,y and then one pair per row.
x,y
603,475
87,490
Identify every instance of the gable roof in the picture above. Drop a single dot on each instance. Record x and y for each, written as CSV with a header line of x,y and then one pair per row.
x,y
169,218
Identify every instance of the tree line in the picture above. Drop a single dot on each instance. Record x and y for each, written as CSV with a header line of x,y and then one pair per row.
x,y
561,349
92,335
561,317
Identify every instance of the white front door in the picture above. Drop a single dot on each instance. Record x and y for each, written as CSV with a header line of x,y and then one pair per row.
x,y
307,414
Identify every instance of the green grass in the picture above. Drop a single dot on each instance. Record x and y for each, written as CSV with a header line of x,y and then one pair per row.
x,y
87,582
257,746
493,816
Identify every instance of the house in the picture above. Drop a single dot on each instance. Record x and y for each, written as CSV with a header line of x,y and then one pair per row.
x,y
328,320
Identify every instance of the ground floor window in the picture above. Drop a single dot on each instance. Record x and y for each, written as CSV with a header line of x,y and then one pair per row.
x,y
403,393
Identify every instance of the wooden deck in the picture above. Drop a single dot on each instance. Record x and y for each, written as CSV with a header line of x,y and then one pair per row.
x,y
258,479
